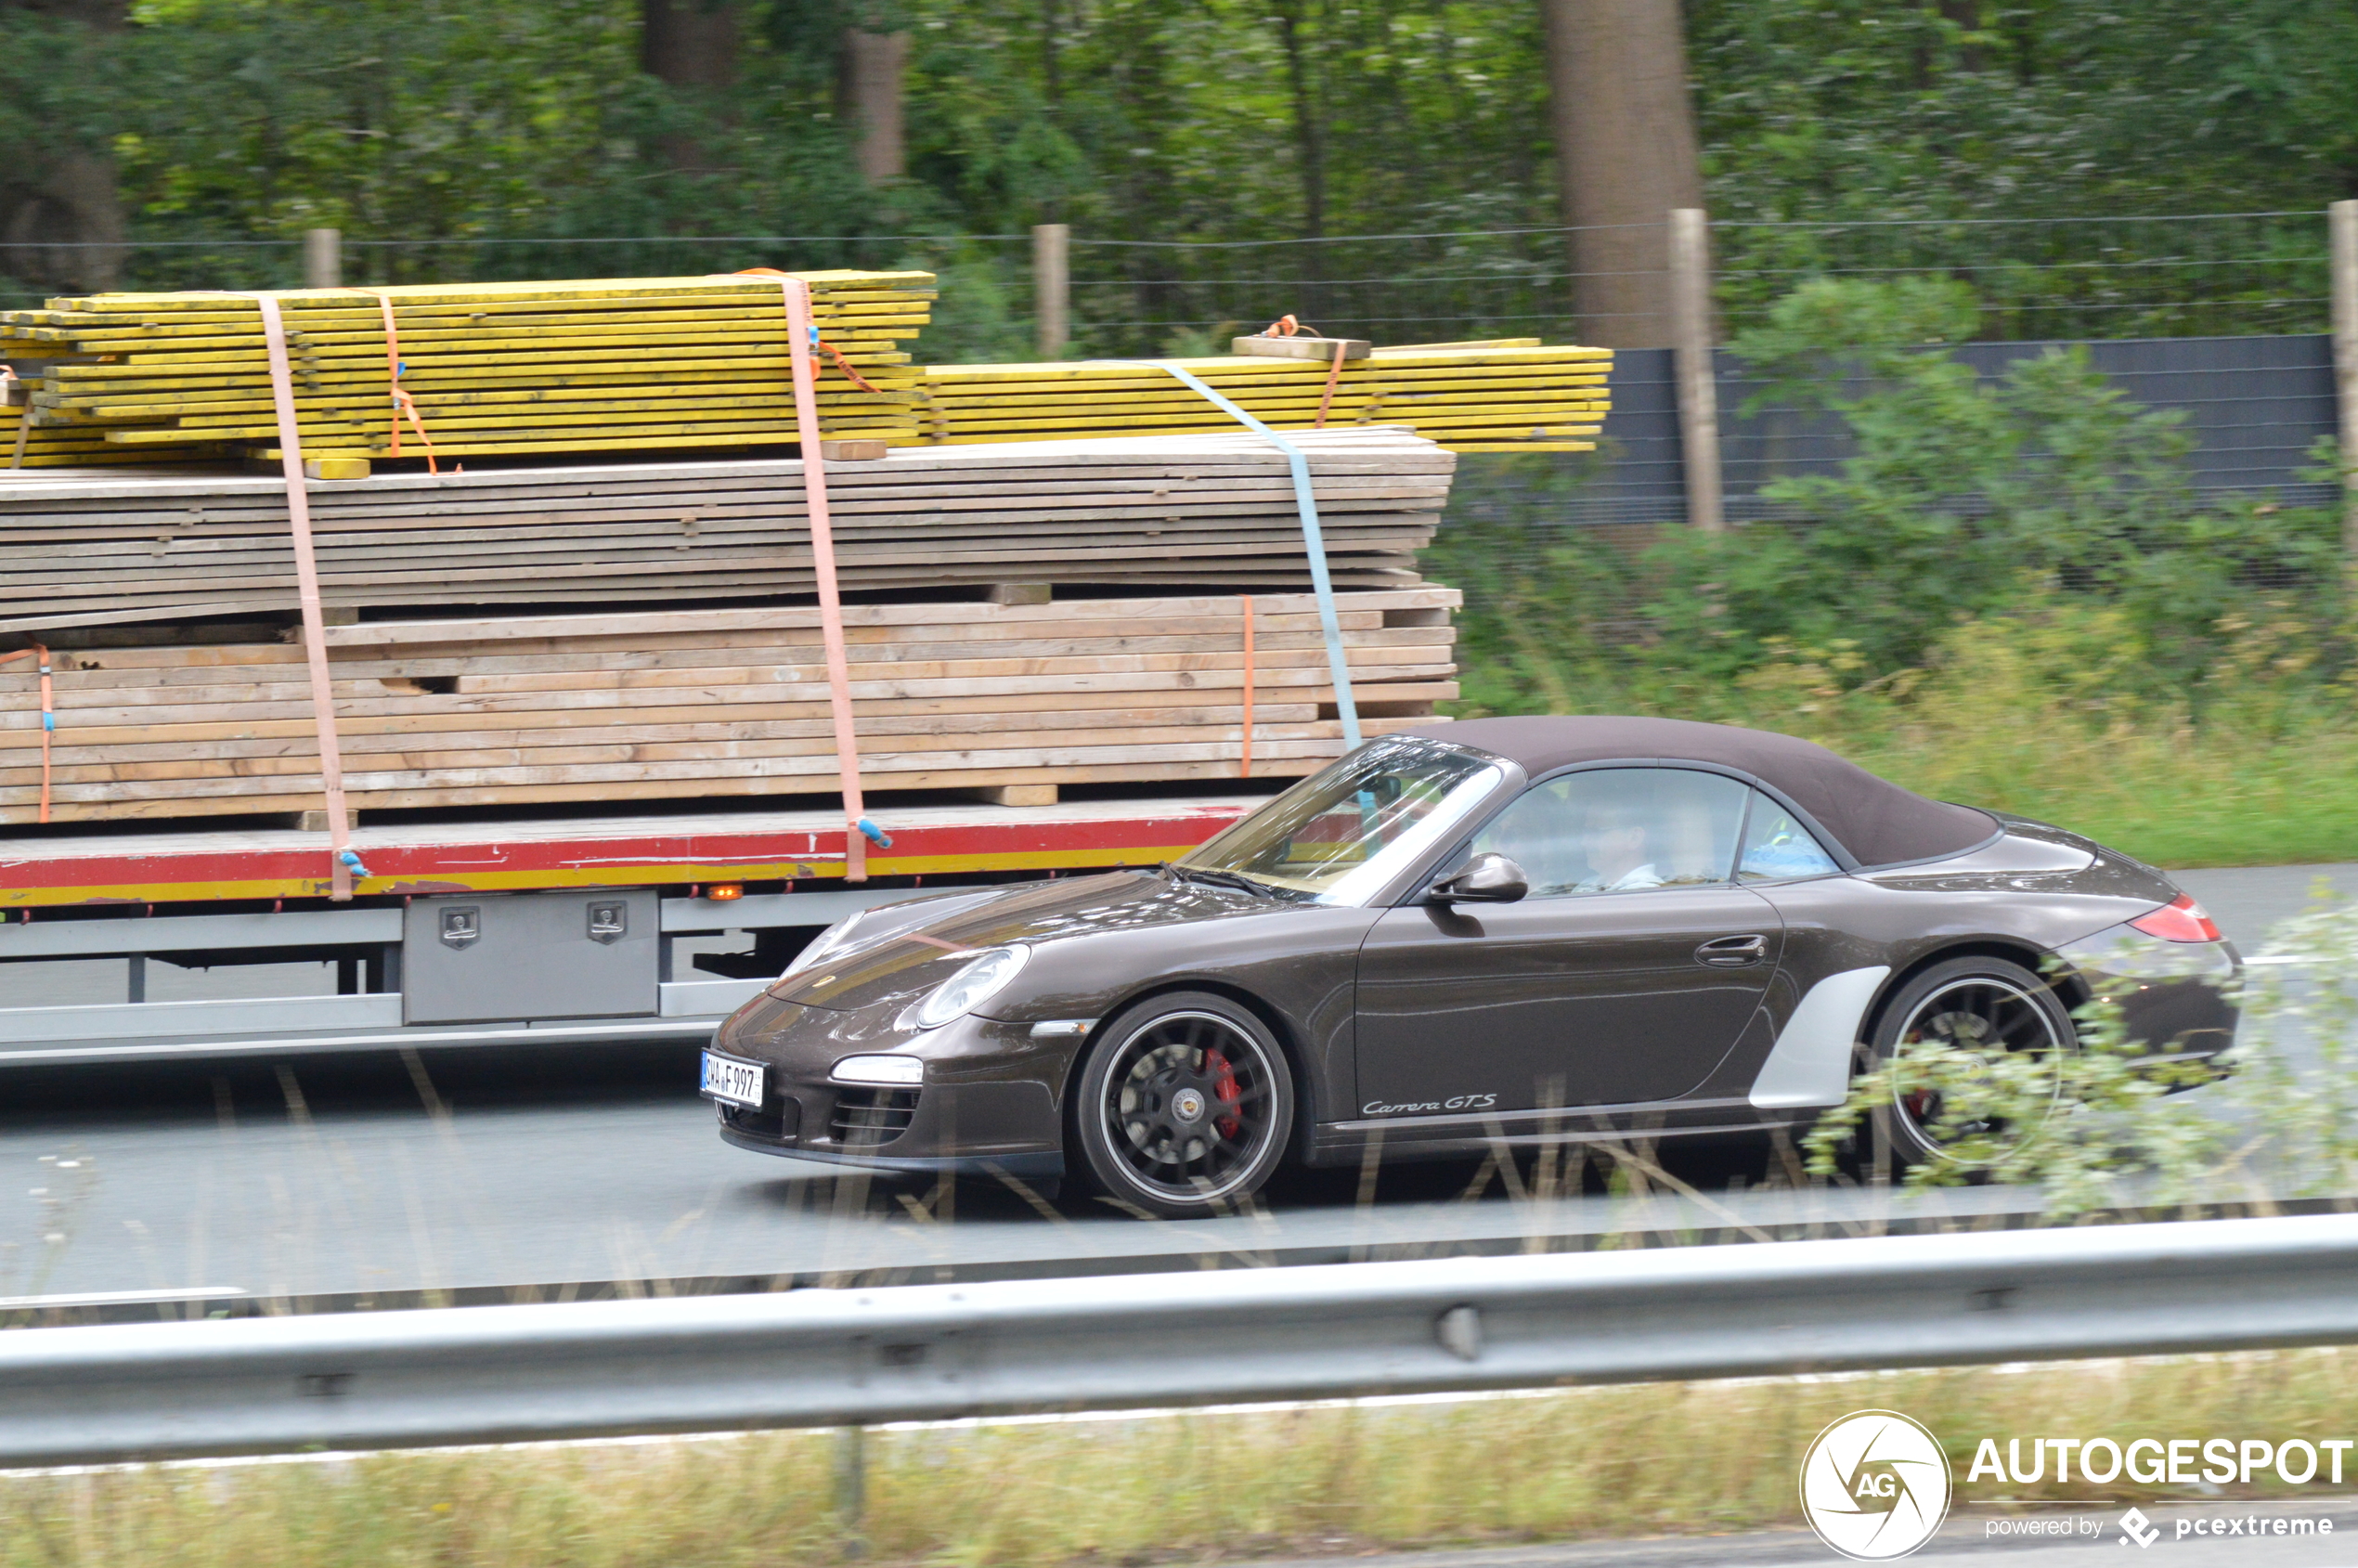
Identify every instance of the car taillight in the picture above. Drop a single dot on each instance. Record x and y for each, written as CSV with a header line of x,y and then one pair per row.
x,y
2181,920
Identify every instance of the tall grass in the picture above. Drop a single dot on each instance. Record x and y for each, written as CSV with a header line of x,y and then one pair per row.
x,y
1671,1459
2025,711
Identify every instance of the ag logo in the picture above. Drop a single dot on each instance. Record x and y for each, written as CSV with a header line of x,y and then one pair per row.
x,y
1874,1485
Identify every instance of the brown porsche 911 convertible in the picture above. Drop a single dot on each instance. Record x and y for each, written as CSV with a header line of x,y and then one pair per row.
x,y
1468,936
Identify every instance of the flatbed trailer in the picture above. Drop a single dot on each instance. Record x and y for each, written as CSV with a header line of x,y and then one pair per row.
x,y
545,931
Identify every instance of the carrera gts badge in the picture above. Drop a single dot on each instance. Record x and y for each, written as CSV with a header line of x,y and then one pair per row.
x,y
1456,1102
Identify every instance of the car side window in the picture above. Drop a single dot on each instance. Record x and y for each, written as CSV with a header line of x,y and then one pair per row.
x,y
1618,830
1778,849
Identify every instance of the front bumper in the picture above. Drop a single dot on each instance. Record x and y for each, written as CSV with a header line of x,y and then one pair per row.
x,y
990,1103
1041,1166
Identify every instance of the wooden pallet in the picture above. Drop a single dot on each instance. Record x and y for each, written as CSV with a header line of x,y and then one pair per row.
x,y
690,703
1214,511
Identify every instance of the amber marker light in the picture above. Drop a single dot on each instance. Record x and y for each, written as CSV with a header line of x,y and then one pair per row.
x,y
722,892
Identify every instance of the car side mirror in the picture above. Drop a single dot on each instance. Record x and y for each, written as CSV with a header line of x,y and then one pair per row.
x,y
1489,878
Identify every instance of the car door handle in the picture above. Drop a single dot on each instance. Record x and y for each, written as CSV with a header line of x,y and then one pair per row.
x,y
1733,952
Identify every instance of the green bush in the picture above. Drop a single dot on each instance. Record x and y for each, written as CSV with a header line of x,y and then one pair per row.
x,y
2009,594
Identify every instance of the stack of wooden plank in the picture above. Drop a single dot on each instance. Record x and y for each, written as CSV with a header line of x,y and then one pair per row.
x,y
1209,512
25,446
624,364
720,702
1514,394
1145,554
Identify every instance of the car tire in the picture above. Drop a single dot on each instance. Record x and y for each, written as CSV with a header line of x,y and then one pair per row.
x,y
1972,1000
1147,1119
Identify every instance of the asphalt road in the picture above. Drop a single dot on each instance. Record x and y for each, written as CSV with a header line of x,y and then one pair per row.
x,y
337,1178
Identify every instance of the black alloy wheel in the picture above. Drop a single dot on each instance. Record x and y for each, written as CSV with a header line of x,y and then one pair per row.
x,y
1987,1007
1184,1107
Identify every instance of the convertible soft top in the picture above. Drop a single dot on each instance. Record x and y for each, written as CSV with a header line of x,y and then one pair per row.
x,y
1875,820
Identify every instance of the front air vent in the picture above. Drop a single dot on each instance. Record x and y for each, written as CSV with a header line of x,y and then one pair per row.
x,y
780,1120
865,1117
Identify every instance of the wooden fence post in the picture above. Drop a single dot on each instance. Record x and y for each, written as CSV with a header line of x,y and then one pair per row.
x,y
1052,286
1690,351
873,66
322,258
2341,224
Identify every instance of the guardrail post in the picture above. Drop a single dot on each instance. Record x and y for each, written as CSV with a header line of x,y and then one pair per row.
x,y
1691,354
2341,223
851,1489
1052,286
323,258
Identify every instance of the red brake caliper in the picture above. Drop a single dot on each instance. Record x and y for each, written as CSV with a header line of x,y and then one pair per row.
x,y
1224,1090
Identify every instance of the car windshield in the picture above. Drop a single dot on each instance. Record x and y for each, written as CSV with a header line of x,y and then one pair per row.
x,y
1339,835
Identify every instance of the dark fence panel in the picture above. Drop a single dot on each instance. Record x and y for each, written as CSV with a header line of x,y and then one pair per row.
x,y
2254,406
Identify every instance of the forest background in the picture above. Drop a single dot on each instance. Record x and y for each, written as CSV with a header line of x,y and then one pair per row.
x,y
1143,119
2010,595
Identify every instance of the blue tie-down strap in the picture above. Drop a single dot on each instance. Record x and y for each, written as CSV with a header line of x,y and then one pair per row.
x,y
1313,542
49,721
351,859
874,834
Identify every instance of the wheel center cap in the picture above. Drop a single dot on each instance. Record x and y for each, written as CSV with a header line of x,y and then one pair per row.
x,y
1187,1105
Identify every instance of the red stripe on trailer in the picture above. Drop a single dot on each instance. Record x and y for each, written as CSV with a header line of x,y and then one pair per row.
x,y
59,872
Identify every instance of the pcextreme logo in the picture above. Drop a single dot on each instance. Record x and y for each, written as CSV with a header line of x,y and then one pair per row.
x,y
1874,1485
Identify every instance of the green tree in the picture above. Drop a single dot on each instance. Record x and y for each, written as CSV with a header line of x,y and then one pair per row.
x,y
1221,120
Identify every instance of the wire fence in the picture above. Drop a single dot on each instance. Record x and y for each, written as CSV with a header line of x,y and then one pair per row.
x,y
163,264
2223,274
2210,275
986,311
1145,298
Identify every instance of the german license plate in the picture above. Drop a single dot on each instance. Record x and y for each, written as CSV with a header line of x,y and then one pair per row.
x,y
740,1083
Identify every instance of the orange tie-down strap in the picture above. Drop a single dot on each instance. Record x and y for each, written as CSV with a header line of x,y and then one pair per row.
x,y
24,420
342,860
802,338
832,351
48,715
1244,757
1288,326
402,402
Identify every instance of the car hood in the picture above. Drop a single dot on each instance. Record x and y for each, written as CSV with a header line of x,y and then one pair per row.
x,y
913,960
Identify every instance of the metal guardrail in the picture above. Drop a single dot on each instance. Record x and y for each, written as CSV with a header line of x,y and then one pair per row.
x,y
864,1356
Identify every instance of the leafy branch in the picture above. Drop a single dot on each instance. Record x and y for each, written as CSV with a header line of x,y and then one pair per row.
x,y
2108,1125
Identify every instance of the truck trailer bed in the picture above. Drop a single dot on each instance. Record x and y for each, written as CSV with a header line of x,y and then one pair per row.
x,y
540,930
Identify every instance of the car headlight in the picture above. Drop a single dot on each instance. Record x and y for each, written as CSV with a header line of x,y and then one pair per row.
x,y
984,976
